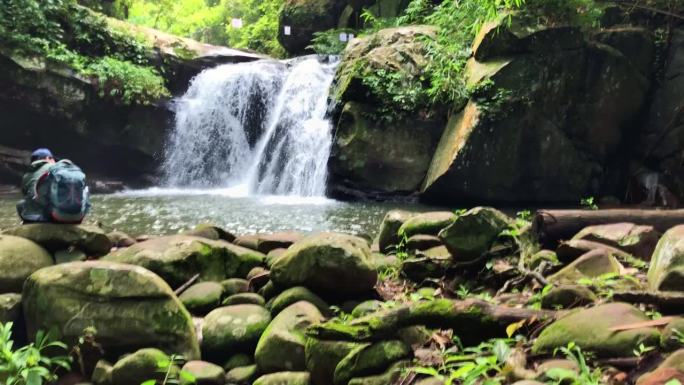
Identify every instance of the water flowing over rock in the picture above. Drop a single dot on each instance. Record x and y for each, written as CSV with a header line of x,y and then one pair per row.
x,y
259,126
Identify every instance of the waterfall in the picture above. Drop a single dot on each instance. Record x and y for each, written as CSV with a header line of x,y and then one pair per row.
x,y
261,126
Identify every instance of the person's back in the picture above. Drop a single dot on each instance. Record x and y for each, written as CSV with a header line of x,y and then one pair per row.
x,y
53,191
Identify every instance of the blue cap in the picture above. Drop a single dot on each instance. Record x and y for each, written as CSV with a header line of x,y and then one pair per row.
x,y
41,153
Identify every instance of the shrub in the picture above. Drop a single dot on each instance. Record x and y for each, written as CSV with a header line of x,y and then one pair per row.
x,y
127,82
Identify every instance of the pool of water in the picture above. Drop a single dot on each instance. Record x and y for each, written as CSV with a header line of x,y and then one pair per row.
x,y
158,211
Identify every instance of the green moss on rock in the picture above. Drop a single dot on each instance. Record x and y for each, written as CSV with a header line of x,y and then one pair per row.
x,y
19,258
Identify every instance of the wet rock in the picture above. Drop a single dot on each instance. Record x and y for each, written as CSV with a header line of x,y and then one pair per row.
x,y
70,255
129,306
327,262
420,268
281,240
210,231
238,360
205,373
672,334
231,329
366,307
10,307
639,241
249,241
244,299
322,357
591,265
241,375
369,359
177,258
234,286
120,239
430,223
568,296
284,378
273,255
139,367
388,235
390,376
569,251
591,330
473,232
19,258
294,295
90,239
423,242
202,297
102,374
672,367
667,264
281,347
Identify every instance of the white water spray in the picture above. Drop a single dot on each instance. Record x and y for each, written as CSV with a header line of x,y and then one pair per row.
x,y
258,127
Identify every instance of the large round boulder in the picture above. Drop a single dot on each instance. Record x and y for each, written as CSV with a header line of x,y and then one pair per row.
x,y
281,347
322,357
144,364
667,264
327,262
284,378
19,258
473,232
388,234
54,237
129,306
592,330
430,223
640,241
205,373
177,258
233,328
202,297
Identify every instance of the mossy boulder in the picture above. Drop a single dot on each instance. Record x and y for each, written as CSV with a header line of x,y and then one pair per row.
x,y
102,374
568,296
177,258
89,239
423,242
671,367
671,335
281,347
390,376
284,378
367,307
244,298
230,329
139,367
19,258
294,295
327,262
238,360
120,239
242,375
593,264
202,297
369,359
280,240
205,373
388,234
430,223
423,267
639,241
210,231
591,330
667,264
129,306
234,286
472,233
322,357
10,307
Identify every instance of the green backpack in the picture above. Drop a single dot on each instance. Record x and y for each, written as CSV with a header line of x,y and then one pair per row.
x,y
68,198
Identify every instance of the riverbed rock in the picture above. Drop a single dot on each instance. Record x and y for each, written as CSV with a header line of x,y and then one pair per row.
x,y
423,242
667,264
568,296
244,299
284,378
280,240
388,235
210,231
327,262
665,369
129,306
591,330
472,233
670,338
369,359
205,373
139,367
19,258
242,375
120,239
281,347
54,237
322,357
294,295
10,307
177,258
234,286
202,297
569,251
485,154
390,376
430,223
593,264
230,329
639,241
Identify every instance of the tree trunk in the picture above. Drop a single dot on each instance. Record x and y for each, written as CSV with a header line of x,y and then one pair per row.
x,y
552,226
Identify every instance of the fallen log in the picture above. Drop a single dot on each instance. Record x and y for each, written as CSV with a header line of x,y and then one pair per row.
x,y
472,319
665,301
552,226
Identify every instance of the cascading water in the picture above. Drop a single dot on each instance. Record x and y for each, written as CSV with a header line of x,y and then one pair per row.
x,y
261,126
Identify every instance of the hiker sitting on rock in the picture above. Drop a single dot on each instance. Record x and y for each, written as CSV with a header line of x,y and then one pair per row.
x,y
54,191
